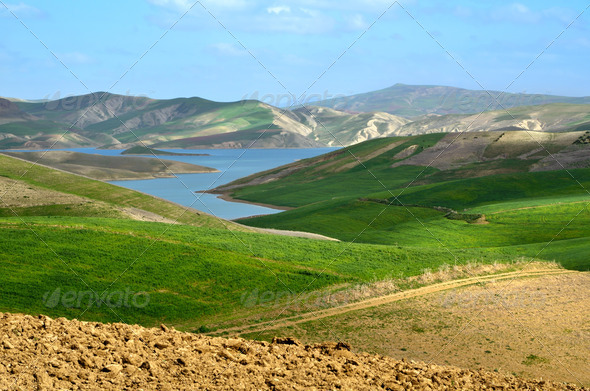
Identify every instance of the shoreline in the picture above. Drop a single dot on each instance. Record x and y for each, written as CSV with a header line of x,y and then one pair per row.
x,y
228,198
157,177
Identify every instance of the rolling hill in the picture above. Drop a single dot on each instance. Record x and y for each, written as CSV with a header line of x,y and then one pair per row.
x,y
555,117
110,168
37,190
79,248
117,121
490,190
122,122
412,101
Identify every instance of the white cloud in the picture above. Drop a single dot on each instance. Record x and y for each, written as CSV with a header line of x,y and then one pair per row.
x,y
516,12
179,5
20,10
279,9
297,21
75,58
357,22
213,5
227,49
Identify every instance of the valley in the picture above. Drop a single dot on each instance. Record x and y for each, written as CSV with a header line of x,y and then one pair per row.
x,y
417,231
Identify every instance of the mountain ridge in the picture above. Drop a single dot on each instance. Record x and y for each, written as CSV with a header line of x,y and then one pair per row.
x,y
416,100
111,121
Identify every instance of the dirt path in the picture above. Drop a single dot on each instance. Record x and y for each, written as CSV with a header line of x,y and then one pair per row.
x,y
377,301
297,234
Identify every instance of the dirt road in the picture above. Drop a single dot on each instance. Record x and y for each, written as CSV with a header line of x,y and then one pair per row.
x,y
377,301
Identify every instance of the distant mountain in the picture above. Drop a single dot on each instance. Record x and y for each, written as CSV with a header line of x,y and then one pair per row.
x,y
412,101
103,120
116,121
337,128
10,112
555,117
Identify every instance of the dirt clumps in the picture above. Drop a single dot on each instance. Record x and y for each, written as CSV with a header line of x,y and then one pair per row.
x,y
44,353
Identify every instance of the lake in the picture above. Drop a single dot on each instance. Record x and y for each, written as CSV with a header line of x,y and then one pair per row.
x,y
232,164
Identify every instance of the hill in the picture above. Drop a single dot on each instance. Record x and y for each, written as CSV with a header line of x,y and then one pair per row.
x,y
337,128
412,101
495,190
110,168
419,326
120,356
195,271
557,117
122,122
36,190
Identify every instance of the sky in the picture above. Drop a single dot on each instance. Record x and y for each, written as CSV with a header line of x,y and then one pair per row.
x,y
284,50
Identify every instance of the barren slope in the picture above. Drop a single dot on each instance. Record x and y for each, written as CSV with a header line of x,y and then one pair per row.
x,y
43,353
533,327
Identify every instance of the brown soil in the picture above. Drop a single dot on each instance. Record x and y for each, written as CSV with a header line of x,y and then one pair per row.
x,y
531,327
382,300
20,194
42,353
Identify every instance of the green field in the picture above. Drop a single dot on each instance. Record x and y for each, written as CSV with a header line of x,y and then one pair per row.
x,y
59,258
412,205
193,275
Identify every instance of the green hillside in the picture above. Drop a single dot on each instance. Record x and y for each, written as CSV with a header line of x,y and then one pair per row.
x,y
67,240
60,193
505,208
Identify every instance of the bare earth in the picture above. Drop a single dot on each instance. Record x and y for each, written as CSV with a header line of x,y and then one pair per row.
x,y
381,300
39,353
533,327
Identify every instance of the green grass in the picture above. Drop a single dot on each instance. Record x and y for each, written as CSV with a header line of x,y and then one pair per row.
x,y
496,189
191,274
321,181
32,128
522,209
371,222
100,191
198,275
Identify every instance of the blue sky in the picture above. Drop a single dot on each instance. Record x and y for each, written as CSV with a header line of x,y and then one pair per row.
x,y
230,49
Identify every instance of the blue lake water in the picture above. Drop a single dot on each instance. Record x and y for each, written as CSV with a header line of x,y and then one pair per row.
x,y
232,164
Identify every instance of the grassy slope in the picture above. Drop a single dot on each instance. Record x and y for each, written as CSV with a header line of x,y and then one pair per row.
x,y
73,184
188,119
193,275
524,210
323,180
